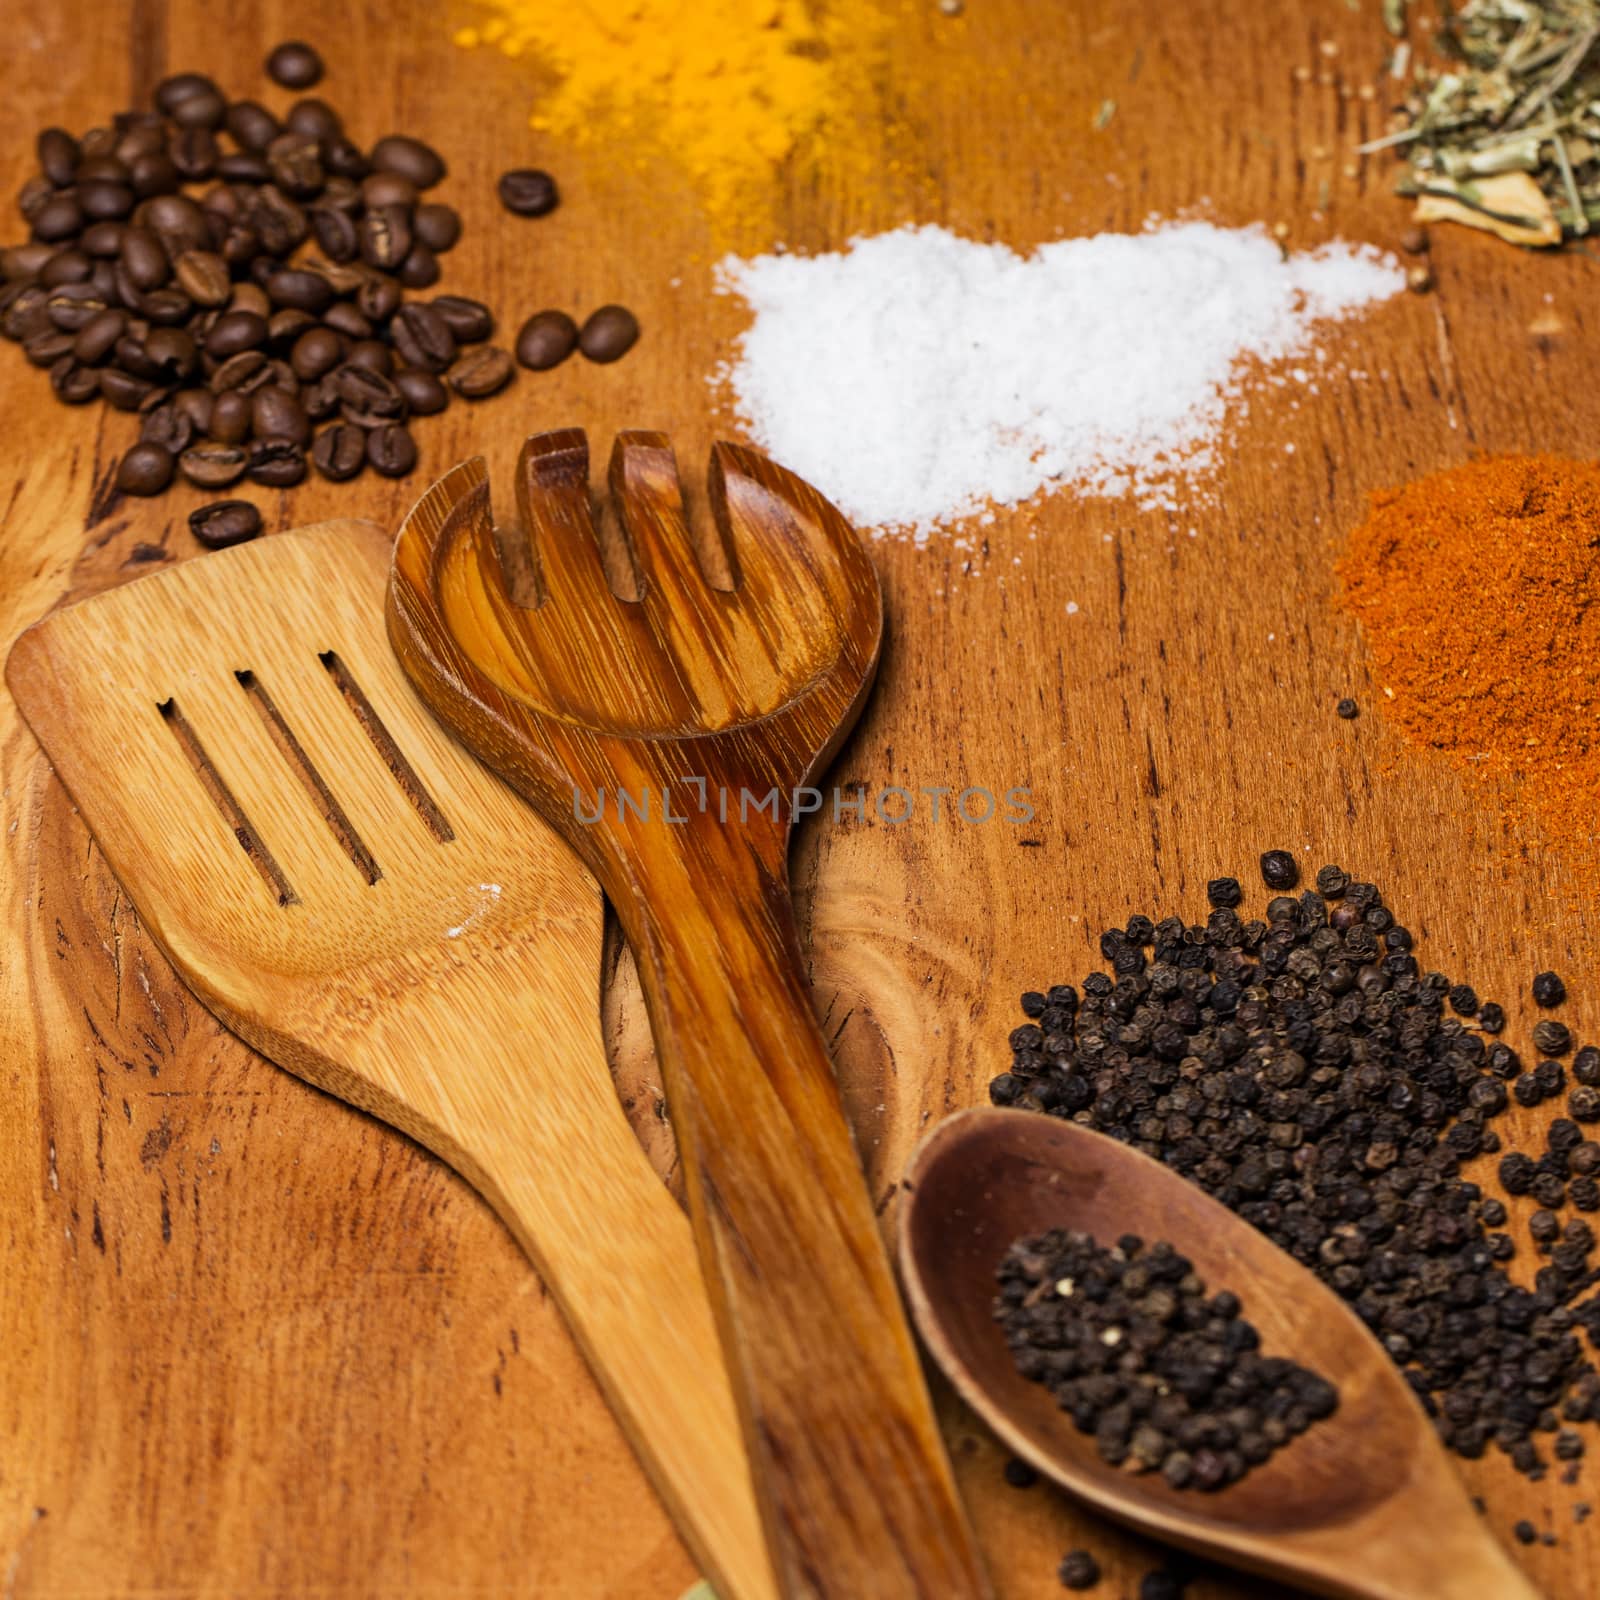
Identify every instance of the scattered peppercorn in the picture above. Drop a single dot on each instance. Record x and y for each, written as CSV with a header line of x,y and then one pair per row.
x,y
1166,1380
1548,990
1019,1474
1224,892
1279,870
1305,1070
1525,1532
1552,1037
1348,709
1162,1584
1078,1570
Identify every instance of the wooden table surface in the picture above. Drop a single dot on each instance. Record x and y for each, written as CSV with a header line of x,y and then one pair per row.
x,y
252,1343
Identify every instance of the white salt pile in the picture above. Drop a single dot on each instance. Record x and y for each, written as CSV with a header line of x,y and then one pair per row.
x,y
919,377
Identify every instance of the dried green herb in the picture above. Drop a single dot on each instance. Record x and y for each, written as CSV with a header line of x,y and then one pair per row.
x,y
1519,94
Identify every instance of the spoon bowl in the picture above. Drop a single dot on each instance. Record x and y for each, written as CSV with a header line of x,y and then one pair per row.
x,y
1365,1504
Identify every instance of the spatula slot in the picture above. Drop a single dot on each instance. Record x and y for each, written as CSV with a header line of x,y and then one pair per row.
x,y
222,797
391,754
339,825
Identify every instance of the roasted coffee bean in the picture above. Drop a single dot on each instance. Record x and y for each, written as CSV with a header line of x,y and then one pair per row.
x,y
528,192
546,340
316,118
342,194
424,393
129,353
168,306
274,415
295,160
103,240
101,169
73,304
244,373
321,399
423,337
609,334
196,404
286,324
123,390
410,158
173,354
169,427
103,141
368,398
336,234
137,134
58,218
294,65
343,318
469,320
143,259
194,153
372,354
105,202
65,266
177,222
378,299
229,422
250,297
387,189
281,224
48,346
28,314
172,91
204,277
26,260
305,291
420,269
35,195
344,159
98,337
73,383
340,452
482,372
252,126
437,226
385,237
391,451
277,463
145,469
104,278
244,166
214,465
236,331
203,110
58,156
316,351
152,175
224,523
343,277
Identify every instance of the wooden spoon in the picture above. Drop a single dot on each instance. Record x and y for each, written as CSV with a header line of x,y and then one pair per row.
x,y
687,718
1366,1505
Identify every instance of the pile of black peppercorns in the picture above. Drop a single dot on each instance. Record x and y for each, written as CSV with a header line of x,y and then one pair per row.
x,y
1305,1069
1165,1378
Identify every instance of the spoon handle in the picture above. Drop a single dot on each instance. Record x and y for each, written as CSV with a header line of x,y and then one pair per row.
x,y
854,1489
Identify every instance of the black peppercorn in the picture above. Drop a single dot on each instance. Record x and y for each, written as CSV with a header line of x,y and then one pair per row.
x,y
1548,990
1552,1037
1078,1570
1348,709
1279,870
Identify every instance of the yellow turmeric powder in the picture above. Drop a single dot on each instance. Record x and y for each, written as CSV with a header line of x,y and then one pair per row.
x,y
734,90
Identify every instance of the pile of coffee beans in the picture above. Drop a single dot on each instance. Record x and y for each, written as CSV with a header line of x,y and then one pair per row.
x,y
1306,1070
239,281
1165,1378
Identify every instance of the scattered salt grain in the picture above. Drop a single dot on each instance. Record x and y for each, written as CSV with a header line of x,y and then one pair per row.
x,y
918,377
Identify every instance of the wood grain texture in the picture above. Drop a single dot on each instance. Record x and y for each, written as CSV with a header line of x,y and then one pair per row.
x,y
1371,1477
654,734
361,901
330,1371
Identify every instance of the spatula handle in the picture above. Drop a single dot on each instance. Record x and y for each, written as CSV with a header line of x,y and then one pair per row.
x,y
854,1488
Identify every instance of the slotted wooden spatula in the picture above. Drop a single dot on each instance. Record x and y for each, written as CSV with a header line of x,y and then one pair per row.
x,y
368,906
